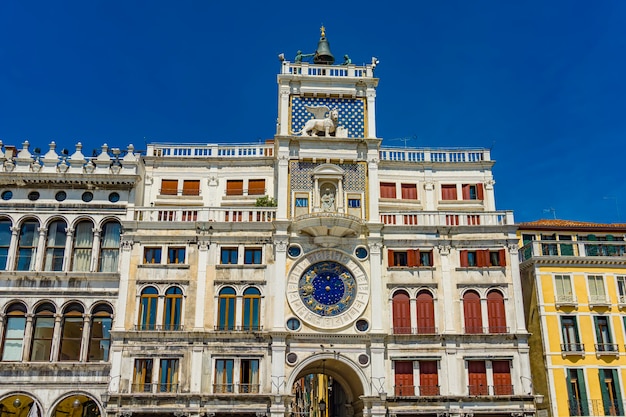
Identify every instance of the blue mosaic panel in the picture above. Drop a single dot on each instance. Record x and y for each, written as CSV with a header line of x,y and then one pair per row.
x,y
351,113
301,174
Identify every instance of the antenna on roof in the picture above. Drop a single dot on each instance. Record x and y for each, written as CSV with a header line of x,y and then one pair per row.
x,y
551,210
405,139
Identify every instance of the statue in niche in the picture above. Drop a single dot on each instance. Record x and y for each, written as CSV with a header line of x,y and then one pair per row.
x,y
321,122
328,198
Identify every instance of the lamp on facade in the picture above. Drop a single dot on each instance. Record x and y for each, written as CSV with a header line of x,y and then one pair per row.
x,y
105,397
322,405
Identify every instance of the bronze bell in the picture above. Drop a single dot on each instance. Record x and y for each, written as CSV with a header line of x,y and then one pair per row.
x,y
323,54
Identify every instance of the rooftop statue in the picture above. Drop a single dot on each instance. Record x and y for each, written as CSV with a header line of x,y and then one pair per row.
x,y
346,60
300,55
320,122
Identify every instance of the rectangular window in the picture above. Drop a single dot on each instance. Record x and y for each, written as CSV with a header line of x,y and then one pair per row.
x,y
354,203
152,255
234,187
13,338
191,187
472,191
426,258
409,258
168,375
621,289
256,187
597,294
387,190
249,376
477,378
142,376
302,202
429,379
409,191
569,332
223,376
229,256
502,378
404,378
252,256
175,255
564,292
169,187
603,335
448,192
576,392
483,258
611,393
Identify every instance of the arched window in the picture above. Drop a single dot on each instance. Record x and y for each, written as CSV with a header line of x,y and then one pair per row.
x,y
27,246
495,312
173,308
71,333
226,309
13,341
100,334
43,330
109,247
425,313
55,246
401,313
83,245
148,308
5,242
251,309
472,312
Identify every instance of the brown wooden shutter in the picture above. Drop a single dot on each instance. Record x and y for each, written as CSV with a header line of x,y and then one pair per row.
x,y
502,378
191,187
479,192
169,187
404,378
234,187
412,257
466,191
477,377
429,379
482,258
401,313
390,260
425,313
256,187
464,261
502,256
409,191
472,313
496,313
387,190
448,192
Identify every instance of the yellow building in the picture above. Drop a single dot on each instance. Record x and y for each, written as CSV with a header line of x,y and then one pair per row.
x,y
574,284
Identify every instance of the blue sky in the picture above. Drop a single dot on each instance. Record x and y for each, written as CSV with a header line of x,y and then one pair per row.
x,y
539,82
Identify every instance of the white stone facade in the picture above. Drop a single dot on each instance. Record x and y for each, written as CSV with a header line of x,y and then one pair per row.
x,y
388,271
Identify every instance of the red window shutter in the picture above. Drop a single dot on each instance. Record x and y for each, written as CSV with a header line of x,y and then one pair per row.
x,y
390,260
448,192
234,187
425,313
479,192
502,378
169,187
409,191
429,379
401,313
482,258
256,187
496,312
404,378
502,256
412,257
387,190
477,377
472,313
191,187
464,261
466,191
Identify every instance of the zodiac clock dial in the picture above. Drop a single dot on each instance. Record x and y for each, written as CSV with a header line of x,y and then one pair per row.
x,y
327,288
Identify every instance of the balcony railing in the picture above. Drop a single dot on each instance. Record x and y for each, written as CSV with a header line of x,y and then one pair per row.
x,y
236,388
166,150
498,329
572,348
480,389
429,390
154,388
204,214
233,328
404,390
425,330
540,248
159,327
305,68
442,218
435,155
608,348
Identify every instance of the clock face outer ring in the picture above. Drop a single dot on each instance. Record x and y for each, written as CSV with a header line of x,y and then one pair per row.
x,y
327,289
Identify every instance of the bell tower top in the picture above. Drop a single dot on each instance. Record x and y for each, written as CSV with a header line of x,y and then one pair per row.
x,y
323,99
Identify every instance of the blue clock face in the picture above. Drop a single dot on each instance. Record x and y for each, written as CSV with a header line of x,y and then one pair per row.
x,y
327,288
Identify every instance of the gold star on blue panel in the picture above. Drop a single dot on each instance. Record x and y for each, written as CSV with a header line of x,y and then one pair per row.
x,y
351,113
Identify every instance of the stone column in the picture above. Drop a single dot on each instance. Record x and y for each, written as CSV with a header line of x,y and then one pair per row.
x,y
518,306
67,254
413,314
373,186
195,384
84,345
278,283
12,249
203,260
283,182
56,338
41,247
122,299
28,336
95,252
371,112
158,323
377,291
448,290
484,314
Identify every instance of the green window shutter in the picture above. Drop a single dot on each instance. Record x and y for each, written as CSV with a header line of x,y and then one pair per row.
x,y
618,393
598,335
583,392
606,400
